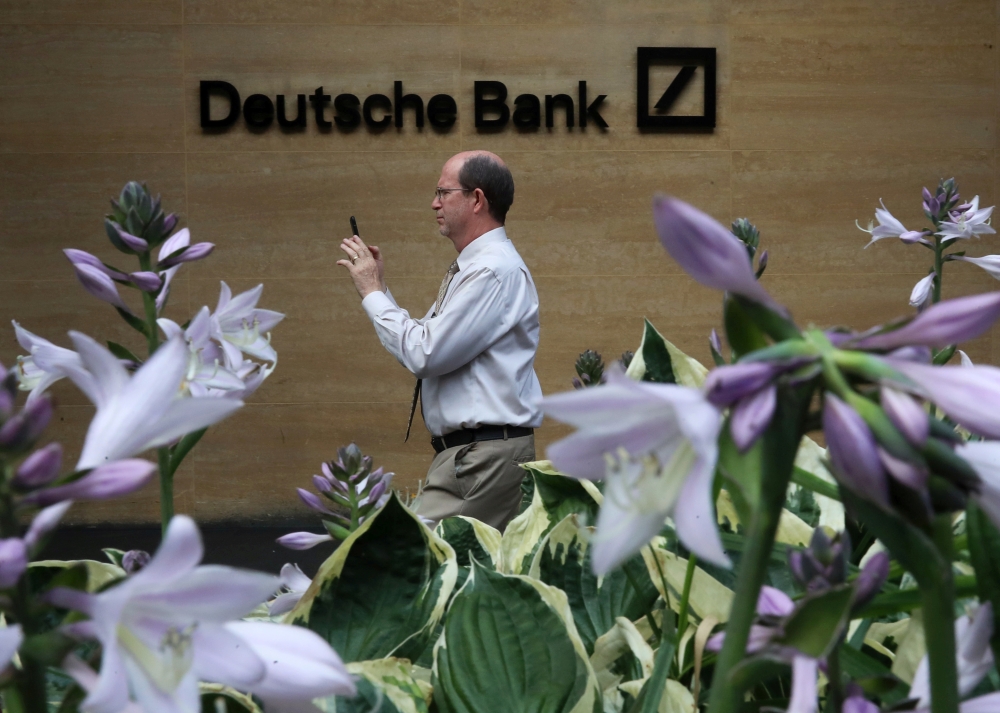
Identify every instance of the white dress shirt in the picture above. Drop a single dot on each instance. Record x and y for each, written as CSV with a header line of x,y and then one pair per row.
x,y
476,357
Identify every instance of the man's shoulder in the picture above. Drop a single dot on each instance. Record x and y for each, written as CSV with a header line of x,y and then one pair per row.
x,y
501,258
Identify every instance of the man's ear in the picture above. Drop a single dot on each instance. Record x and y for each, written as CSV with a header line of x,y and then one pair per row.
x,y
481,203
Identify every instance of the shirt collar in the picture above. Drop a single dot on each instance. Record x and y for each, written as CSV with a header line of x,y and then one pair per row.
x,y
477,246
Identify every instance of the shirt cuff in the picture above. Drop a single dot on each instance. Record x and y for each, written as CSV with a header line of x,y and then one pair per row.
x,y
375,303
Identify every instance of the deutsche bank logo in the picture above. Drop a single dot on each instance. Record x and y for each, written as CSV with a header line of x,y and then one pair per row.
x,y
690,60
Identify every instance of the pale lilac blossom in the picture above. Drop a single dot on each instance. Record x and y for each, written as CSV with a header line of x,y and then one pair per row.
x,y
191,253
141,411
984,457
98,284
990,263
655,445
751,416
133,242
295,583
13,561
45,522
179,240
707,251
973,653
146,281
45,364
966,361
40,468
11,638
170,625
972,222
82,257
966,394
110,480
208,373
239,326
889,227
906,415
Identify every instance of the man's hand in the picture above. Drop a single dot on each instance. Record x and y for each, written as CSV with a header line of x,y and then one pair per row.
x,y
364,264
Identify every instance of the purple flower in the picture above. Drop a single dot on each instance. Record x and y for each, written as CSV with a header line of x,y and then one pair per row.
x,y
97,283
239,326
967,394
859,704
907,415
23,429
727,384
871,578
45,364
180,239
948,322
302,540
197,251
110,480
990,263
313,502
45,522
13,561
751,416
40,468
81,257
853,451
707,251
322,484
146,281
968,222
10,641
133,242
656,447
774,602
134,560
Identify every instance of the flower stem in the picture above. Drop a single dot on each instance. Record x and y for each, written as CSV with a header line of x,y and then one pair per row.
x,y
166,489
682,616
938,268
938,600
835,690
30,680
149,303
780,443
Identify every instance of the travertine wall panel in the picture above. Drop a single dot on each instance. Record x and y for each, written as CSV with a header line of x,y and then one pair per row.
x,y
823,108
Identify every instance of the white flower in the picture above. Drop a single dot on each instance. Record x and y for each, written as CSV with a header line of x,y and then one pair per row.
x,y
889,227
296,582
206,374
657,446
922,291
170,625
990,263
972,222
45,364
239,326
143,411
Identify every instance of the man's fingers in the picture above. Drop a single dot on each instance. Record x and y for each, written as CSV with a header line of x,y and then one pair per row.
x,y
346,263
350,250
376,253
359,245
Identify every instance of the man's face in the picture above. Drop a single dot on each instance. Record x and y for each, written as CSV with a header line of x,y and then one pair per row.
x,y
453,208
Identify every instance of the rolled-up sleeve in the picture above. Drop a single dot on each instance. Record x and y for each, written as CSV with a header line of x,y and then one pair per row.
x,y
474,317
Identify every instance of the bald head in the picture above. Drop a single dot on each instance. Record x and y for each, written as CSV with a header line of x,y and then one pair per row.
x,y
487,172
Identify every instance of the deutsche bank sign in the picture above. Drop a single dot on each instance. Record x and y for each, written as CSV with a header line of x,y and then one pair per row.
x,y
493,107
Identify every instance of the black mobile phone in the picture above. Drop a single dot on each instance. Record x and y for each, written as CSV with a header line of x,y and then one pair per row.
x,y
354,226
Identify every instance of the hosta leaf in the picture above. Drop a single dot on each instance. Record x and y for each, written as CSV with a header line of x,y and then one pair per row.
x,y
555,496
563,560
395,678
657,359
510,644
818,621
709,597
370,699
469,536
383,590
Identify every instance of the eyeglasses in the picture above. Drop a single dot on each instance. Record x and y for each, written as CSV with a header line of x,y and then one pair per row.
x,y
440,193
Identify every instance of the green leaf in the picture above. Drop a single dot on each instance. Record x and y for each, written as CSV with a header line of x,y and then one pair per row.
x,y
562,495
183,447
984,550
743,335
563,560
123,352
370,699
383,590
470,537
654,356
395,679
818,622
648,700
905,600
133,321
509,644
871,675
777,326
114,556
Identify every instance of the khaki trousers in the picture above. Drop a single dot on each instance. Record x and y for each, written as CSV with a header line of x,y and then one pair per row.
x,y
480,480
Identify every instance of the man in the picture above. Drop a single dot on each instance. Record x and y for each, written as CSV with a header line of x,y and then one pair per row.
x,y
473,352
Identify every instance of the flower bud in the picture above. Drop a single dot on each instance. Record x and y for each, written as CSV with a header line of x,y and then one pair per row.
x,y
99,285
197,251
853,451
302,540
146,281
133,242
21,431
102,483
906,415
134,560
377,492
871,579
751,416
714,341
312,501
81,257
40,468
322,484
44,523
169,223
13,561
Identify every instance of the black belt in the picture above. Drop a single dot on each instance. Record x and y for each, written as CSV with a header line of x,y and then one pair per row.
x,y
483,433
